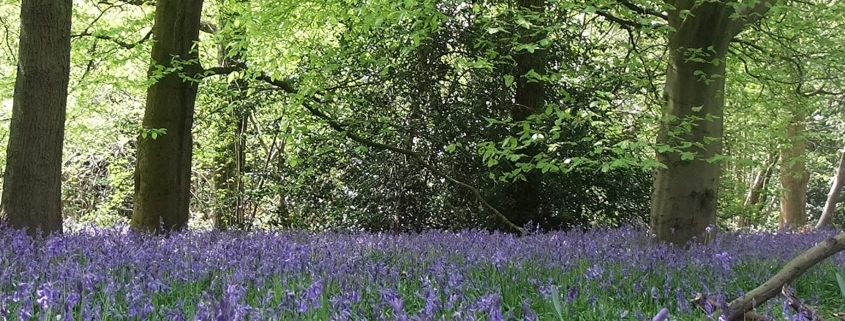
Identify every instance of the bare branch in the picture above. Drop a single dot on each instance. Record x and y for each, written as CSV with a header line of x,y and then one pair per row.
x,y
799,306
121,43
792,270
642,10
626,24
208,27
8,41
131,2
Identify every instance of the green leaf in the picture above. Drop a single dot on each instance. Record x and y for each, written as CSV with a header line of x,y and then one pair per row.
x,y
841,283
508,80
556,302
527,47
232,77
687,156
494,30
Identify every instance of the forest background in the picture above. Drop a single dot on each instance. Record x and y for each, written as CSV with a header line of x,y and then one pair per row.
x,y
411,115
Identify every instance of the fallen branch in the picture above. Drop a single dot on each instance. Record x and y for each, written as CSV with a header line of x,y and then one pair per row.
x,y
791,271
799,306
701,301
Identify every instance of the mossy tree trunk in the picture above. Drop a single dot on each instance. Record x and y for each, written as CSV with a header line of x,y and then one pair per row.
x,y
32,182
163,169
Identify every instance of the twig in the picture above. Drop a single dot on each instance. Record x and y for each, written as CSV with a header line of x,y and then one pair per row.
x,y
799,306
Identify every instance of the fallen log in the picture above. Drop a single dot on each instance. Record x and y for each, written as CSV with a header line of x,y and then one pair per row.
x,y
791,271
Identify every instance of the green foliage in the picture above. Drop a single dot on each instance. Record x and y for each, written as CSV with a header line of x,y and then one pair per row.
x,y
153,132
439,77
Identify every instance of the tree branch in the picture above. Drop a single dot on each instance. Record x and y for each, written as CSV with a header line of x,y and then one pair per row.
x,y
642,10
208,27
626,24
121,43
341,128
131,2
417,156
792,270
748,15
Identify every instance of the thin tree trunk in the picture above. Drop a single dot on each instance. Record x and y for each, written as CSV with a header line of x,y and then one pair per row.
x,y
163,169
756,197
32,193
231,158
833,196
794,176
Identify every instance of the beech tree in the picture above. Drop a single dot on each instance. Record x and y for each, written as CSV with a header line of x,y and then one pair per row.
x,y
163,169
793,174
686,190
32,185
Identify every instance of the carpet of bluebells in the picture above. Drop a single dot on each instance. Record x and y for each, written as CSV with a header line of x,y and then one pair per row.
x,y
606,274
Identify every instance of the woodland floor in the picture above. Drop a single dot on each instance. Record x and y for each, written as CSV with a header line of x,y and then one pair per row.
x,y
613,274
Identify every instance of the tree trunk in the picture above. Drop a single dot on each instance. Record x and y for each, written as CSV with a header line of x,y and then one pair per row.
x,y
163,169
530,97
231,157
794,176
833,196
32,185
756,197
686,191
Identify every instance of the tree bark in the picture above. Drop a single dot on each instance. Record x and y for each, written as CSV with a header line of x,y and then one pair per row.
x,y
686,191
163,169
32,193
794,176
833,196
